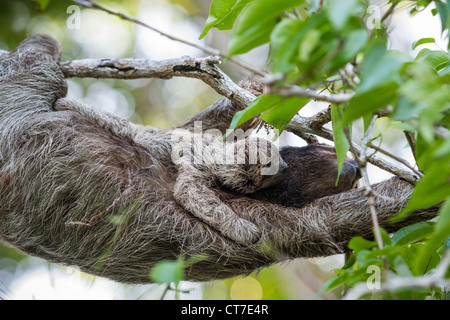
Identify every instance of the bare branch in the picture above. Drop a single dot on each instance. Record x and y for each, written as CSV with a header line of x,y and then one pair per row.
x,y
300,125
205,49
92,5
393,156
206,70
295,91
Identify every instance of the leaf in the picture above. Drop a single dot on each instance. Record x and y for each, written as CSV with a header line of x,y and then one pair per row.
x,y
432,189
370,101
379,70
168,271
280,115
340,140
42,3
223,14
437,59
273,109
285,43
412,233
346,277
422,41
260,104
340,11
401,267
358,244
255,24
354,42
442,225
444,11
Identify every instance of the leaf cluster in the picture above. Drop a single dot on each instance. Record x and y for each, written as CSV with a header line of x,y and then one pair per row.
x,y
329,45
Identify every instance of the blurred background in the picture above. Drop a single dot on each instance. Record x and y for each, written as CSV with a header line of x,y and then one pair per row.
x,y
166,103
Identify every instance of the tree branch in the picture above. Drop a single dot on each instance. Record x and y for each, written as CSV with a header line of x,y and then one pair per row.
x,y
206,70
205,49
295,91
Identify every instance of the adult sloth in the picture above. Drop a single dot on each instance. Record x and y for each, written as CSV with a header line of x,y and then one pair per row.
x,y
59,166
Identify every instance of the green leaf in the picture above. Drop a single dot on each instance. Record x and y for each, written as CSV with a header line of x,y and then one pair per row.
x,y
346,277
370,101
379,81
437,59
168,271
442,225
285,43
340,11
354,42
258,106
280,115
427,258
340,140
401,267
223,14
358,244
42,3
273,109
412,233
255,24
379,70
444,12
422,41
432,189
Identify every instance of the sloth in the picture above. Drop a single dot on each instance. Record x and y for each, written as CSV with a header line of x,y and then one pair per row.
x,y
203,161
209,161
61,167
311,173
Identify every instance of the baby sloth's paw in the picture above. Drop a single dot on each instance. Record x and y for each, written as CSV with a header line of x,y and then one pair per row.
x,y
244,232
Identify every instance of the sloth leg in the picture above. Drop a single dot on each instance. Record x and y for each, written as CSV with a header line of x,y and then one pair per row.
x,y
114,124
193,194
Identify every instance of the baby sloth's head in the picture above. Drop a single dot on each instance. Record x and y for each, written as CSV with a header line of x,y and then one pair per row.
x,y
251,164
312,174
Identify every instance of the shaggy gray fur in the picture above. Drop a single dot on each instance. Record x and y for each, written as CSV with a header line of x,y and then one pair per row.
x,y
58,166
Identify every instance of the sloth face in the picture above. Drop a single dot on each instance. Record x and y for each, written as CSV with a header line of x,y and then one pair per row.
x,y
252,164
312,174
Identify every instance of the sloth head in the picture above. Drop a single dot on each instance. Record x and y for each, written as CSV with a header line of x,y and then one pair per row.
x,y
251,164
312,174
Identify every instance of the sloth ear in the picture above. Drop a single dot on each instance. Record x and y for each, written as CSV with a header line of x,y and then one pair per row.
x,y
43,44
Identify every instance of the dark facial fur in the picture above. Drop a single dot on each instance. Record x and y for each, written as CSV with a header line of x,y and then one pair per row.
x,y
311,174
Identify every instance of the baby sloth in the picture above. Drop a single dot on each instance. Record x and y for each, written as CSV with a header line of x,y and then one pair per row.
x,y
311,174
244,167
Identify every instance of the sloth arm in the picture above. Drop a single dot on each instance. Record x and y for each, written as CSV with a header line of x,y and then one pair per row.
x,y
193,192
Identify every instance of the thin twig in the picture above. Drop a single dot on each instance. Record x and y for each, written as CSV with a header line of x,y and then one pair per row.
x,y
92,5
206,49
166,289
411,141
361,158
393,156
295,91
389,11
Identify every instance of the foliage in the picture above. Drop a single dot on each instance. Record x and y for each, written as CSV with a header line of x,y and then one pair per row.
x,y
313,44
